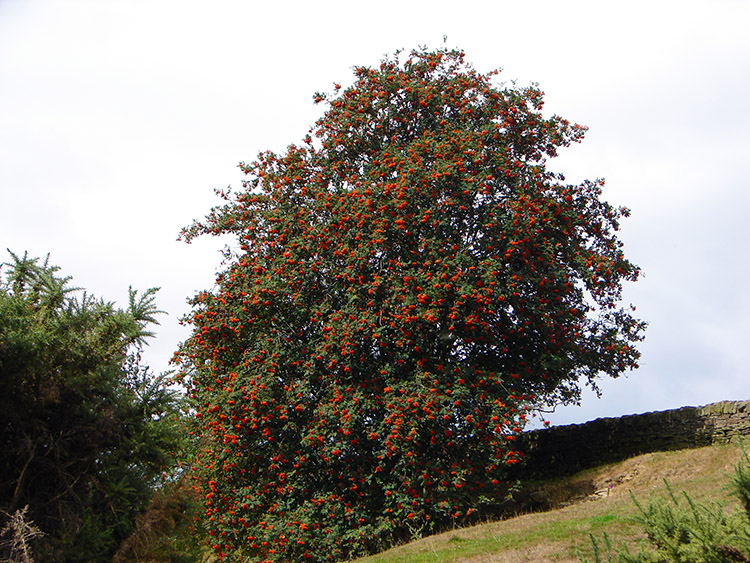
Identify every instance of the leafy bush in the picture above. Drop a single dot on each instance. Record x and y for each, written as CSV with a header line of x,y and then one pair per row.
x,y
85,430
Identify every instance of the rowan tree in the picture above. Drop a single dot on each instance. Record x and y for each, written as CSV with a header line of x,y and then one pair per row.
x,y
409,283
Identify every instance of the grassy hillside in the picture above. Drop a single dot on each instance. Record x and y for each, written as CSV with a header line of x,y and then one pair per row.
x,y
592,501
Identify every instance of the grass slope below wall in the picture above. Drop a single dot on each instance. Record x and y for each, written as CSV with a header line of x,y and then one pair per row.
x,y
593,501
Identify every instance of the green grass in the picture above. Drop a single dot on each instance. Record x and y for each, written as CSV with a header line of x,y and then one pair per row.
x,y
556,534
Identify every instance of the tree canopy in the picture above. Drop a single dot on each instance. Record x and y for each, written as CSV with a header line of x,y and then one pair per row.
x,y
85,430
409,283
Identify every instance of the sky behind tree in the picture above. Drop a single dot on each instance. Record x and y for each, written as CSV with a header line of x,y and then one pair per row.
x,y
118,119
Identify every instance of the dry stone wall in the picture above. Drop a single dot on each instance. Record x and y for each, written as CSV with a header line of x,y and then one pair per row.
x,y
563,450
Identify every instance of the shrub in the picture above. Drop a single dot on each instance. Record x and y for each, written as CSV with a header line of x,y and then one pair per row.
x,y
85,430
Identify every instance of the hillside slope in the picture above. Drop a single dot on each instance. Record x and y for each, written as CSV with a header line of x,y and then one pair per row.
x,y
592,501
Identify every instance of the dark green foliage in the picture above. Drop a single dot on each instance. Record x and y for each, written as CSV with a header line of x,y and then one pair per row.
x,y
85,430
739,483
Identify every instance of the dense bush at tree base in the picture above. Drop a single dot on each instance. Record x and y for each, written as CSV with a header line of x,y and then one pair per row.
x,y
167,531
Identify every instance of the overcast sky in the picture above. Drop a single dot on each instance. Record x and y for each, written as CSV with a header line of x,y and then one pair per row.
x,y
119,118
